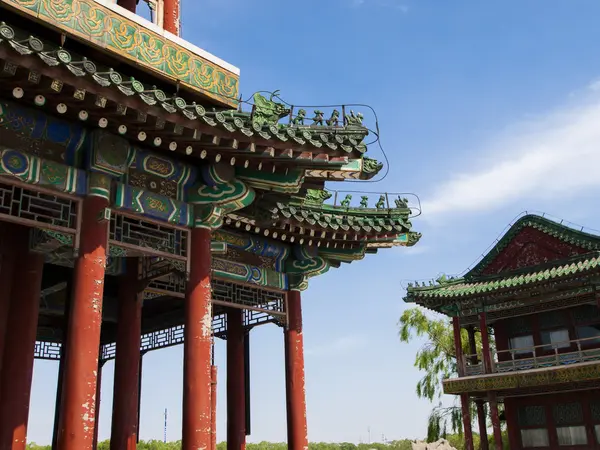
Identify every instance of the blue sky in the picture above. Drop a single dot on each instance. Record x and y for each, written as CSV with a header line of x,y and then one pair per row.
x,y
486,109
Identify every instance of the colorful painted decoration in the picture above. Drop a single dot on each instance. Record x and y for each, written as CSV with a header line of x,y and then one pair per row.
x,y
249,274
59,140
35,170
228,196
256,245
136,43
152,205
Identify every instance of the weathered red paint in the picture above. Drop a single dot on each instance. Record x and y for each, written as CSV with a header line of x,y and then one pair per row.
x,y
460,363
98,392
236,392
129,5
485,343
529,248
481,420
78,407
196,433
294,375
17,369
493,402
213,406
512,427
466,417
172,11
8,255
127,362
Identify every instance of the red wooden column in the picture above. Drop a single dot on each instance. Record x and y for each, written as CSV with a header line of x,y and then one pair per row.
x,y
8,254
493,401
481,419
196,433
127,362
78,408
458,347
236,389
294,360
213,406
172,10
485,343
129,5
512,427
466,417
17,369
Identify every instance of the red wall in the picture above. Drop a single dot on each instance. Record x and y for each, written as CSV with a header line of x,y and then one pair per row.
x,y
512,406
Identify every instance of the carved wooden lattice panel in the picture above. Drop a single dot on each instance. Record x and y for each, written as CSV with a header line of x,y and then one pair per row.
x,y
567,414
532,416
47,350
586,313
148,235
38,207
552,319
248,296
518,325
595,407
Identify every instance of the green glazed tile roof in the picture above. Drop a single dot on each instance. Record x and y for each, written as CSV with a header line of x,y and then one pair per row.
x,y
338,218
473,283
461,287
345,135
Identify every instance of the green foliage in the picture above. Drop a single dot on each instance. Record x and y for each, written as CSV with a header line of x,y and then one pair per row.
x,y
437,358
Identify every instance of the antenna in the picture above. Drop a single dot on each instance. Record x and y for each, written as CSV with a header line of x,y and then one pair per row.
x,y
369,431
165,433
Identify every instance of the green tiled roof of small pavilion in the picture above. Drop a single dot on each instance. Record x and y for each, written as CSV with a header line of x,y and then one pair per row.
x,y
474,283
343,135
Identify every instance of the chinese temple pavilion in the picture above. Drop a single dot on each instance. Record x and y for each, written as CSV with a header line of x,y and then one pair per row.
x,y
536,290
143,205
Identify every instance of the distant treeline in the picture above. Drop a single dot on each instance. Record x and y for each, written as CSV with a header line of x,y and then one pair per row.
x,y
455,440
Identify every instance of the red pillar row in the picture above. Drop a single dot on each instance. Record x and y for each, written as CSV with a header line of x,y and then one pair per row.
x,y
196,433
127,362
294,374
78,409
21,328
236,389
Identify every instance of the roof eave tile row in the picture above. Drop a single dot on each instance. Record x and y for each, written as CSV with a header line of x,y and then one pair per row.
x,y
462,288
346,140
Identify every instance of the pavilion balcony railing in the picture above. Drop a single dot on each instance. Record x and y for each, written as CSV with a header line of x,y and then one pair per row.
x,y
537,357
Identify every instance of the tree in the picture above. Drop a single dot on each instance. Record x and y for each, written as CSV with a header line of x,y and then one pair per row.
x,y
437,358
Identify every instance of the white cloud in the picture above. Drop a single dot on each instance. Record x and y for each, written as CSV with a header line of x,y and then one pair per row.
x,y
553,156
341,345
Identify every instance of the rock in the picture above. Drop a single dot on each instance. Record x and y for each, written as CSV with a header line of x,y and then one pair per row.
x,y
441,444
